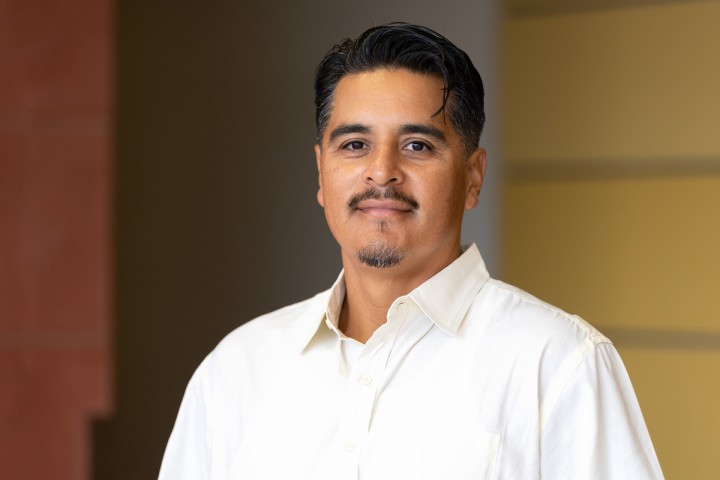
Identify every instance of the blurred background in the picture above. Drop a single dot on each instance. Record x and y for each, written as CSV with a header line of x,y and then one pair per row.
x,y
157,189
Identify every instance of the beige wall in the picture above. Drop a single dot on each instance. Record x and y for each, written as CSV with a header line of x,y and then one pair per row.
x,y
612,199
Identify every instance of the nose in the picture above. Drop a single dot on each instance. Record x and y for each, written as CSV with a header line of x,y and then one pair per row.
x,y
384,168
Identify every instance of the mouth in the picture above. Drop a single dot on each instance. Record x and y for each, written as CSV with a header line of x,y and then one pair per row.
x,y
383,208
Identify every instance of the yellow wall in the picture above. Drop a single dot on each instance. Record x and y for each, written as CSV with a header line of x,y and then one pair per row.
x,y
624,82
612,198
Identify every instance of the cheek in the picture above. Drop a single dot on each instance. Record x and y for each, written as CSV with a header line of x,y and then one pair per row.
x,y
335,192
446,192
339,183
332,190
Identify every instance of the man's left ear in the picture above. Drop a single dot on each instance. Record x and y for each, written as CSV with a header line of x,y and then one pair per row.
x,y
476,172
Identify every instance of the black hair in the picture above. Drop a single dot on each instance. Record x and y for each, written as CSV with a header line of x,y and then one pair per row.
x,y
415,48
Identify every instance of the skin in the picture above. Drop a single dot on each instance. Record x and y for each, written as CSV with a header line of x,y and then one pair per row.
x,y
381,136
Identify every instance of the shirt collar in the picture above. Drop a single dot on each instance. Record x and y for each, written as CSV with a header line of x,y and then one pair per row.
x,y
444,298
326,309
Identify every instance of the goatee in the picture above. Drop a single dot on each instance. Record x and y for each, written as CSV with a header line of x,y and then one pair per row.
x,y
379,255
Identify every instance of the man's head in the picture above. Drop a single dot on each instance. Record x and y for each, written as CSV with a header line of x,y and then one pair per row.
x,y
419,50
399,118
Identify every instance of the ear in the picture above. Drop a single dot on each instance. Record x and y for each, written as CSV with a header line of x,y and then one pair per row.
x,y
476,172
318,160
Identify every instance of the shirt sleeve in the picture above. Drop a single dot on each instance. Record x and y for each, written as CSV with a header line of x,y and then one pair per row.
x,y
187,452
596,429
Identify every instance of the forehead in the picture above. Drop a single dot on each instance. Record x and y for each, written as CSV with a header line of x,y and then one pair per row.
x,y
387,96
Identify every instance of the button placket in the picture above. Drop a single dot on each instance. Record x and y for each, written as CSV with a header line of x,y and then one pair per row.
x,y
361,392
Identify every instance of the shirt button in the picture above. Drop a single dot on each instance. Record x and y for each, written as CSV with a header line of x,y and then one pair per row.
x,y
365,379
348,445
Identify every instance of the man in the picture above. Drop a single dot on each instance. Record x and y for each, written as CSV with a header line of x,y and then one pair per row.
x,y
415,364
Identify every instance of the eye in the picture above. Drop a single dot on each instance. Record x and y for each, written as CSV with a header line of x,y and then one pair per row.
x,y
417,146
354,145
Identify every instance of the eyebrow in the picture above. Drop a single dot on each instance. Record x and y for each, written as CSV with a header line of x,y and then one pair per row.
x,y
424,130
346,129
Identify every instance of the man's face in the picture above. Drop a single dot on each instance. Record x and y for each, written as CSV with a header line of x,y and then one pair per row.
x,y
394,180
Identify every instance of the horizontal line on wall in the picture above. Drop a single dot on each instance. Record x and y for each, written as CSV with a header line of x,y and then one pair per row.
x,y
58,125
532,8
663,339
53,340
609,169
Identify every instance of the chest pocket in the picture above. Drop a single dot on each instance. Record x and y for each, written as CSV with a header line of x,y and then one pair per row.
x,y
470,455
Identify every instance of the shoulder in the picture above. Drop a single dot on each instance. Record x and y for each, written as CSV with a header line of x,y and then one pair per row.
x,y
272,334
518,311
540,341
279,322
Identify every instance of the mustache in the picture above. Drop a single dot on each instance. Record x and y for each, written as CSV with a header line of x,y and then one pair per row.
x,y
386,194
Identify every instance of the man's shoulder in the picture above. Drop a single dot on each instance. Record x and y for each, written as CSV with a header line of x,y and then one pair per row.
x,y
276,330
519,310
281,322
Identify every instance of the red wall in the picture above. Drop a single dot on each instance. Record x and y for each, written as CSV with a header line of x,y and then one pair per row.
x,y
56,71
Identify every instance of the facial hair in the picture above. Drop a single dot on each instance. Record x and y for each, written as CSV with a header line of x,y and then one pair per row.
x,y
380,255
376,194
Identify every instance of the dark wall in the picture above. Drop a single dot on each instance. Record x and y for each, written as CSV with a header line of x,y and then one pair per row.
x,y
216,218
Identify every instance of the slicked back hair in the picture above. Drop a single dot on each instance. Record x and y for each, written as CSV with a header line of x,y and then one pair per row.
x,y
414,48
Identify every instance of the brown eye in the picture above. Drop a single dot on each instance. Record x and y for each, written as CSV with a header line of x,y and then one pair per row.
x,y
417,146
354,145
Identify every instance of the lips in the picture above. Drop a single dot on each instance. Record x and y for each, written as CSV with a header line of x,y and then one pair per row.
x,y
389,205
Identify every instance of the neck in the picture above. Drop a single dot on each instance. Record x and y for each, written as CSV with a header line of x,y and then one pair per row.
x,y
370,291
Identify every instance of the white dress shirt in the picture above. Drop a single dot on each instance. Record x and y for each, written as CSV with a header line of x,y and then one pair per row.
x,y
469,379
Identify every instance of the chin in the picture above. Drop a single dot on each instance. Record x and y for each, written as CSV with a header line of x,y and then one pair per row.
x,y
380,254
